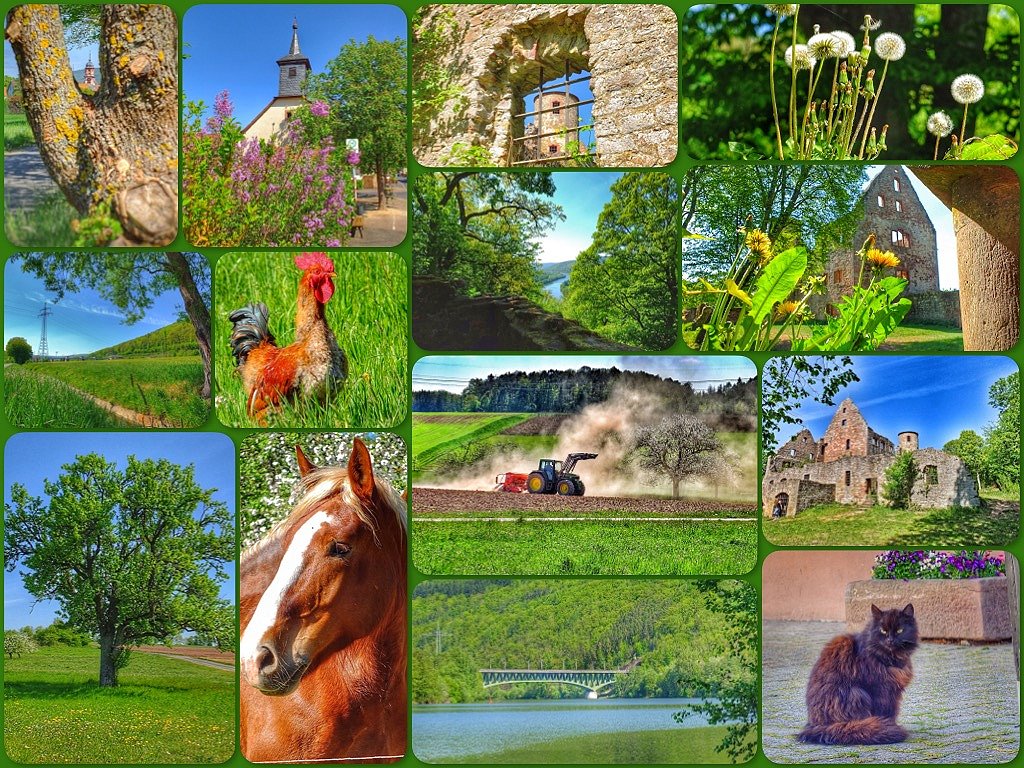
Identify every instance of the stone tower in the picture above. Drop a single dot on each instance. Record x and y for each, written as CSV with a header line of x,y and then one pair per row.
x,y
908,442
895,215
848,434
561,117
89,75
294,67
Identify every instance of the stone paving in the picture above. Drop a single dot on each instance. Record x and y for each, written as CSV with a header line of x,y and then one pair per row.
x,y
385,227
962,706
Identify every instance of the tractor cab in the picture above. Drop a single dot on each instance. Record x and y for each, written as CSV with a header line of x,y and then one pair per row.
x,y
553,476
550,468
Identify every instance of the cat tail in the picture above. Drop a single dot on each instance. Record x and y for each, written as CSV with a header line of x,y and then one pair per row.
x,y
869,730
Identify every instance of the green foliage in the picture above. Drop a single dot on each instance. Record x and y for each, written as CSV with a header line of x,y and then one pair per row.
x,y
98,229
46,224
625,285
18,350
899,480
436,59
17,133
268,471
569,625
1002,439
60,633
368,314
970,448
130,555
18,643
175,340
736,698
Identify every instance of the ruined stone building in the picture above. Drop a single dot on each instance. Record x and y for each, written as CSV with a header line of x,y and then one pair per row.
x,y
496,57
895,215
293,69
848,464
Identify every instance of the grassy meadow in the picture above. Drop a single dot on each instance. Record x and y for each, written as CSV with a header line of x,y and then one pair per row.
x,y
37,394
913,340
995,523
17,134
584,548
46,224
369,314
163,711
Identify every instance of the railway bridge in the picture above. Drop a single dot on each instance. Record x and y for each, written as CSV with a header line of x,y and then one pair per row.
x,y
591,679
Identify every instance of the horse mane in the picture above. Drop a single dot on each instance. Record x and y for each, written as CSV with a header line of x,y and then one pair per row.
x,y
318,486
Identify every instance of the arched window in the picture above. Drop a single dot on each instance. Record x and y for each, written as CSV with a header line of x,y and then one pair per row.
x,y
899,207
896,183
881,202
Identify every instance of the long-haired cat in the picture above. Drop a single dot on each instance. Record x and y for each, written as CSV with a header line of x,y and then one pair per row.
x,y
853,696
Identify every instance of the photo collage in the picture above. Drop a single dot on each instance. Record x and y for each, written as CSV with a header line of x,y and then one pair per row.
x,y
536,383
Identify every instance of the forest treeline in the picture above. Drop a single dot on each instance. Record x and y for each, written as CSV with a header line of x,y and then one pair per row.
x,y
175,340
569,391
461,627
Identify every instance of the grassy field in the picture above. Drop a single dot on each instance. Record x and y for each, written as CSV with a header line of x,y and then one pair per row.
x,y
167,388
40,402
682,746
16,132
912,340
368,314
163,711
585,548
47,224
994,524
435,434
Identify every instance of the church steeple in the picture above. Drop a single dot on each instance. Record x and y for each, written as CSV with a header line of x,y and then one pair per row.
x,y
294,67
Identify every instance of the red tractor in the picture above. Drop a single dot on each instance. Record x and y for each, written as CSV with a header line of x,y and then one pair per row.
x,y
550,477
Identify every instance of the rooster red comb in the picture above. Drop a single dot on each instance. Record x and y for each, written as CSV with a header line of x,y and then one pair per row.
x,y
317,259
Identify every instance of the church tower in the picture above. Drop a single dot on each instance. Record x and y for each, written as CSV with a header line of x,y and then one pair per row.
x,y
294,67
89,80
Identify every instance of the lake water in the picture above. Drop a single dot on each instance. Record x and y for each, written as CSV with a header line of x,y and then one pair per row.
x,y
555,286
446,731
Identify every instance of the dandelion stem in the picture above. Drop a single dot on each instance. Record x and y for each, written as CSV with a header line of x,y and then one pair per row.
x,y
937,140
792,86
871,115
771,75
963,124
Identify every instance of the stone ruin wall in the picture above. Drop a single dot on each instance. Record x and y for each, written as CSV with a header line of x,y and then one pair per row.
x,y
935,308
802,494
632,55
955,487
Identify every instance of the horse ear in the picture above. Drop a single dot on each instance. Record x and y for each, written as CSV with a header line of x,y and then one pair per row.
x,y
305,465
360,471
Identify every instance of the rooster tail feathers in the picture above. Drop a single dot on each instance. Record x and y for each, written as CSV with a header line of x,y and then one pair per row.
x,y
249,329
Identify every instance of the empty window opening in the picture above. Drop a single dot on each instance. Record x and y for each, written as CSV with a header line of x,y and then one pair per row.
x,y
807,477
291,71
847,445
556,119
792,452
896,183
899,207
844,422
899,237
903,273
931,474
847,479
881,202
837,277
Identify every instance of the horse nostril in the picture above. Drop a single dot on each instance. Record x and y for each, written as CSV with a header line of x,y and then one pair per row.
x,y
266,660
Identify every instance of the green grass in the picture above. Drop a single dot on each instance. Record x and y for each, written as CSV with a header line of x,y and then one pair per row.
x,y
39,402
435,434
680,746
924,340
838,525
164,387
175,340
368,314
584,548
47,224
16,132
163,711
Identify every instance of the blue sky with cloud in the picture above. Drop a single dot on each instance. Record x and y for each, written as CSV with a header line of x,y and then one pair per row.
x,y
937,397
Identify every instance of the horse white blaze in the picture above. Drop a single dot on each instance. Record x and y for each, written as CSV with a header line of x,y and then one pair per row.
x,y
265,615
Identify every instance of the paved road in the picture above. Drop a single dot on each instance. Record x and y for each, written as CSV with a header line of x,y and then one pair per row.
x,y
385,227
25,179
962,706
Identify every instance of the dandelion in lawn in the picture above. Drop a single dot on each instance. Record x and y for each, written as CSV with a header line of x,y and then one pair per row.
x,y
760,244
967,90
939,125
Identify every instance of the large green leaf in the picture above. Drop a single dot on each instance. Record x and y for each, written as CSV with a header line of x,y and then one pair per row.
x,y
994,147
777,281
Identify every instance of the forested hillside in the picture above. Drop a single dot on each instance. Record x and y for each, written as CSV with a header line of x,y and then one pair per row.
x,y
569,391
174,340
460,627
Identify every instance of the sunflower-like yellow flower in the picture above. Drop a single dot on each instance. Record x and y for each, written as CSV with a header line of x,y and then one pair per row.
x,y
882,259
786,308
758,242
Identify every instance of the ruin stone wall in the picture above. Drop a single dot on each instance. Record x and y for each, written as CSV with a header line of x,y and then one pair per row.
x,y
935,308
631,52
955,486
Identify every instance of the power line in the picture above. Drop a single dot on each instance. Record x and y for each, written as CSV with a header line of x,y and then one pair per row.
x,y
44,313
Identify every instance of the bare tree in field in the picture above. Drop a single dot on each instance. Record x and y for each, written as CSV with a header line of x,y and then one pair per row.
x,y
119,147
680,447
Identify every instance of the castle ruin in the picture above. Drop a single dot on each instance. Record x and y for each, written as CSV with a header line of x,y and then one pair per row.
x,y
848,465
497,56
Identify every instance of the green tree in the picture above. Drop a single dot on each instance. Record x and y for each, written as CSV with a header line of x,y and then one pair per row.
x,y
18,642
365,86
970,447
131,555
1002,439
680,447
626,284
131,281
899,480
19,350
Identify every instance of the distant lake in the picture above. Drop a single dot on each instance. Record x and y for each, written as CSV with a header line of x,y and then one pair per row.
x,y
452,731
555,286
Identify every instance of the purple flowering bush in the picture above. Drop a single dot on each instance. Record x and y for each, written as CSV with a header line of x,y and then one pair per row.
x,y
924,564
291,191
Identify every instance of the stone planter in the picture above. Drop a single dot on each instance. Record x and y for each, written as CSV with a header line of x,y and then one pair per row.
x,y
946,609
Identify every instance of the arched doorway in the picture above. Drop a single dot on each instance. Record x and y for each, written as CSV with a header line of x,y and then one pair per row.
x,y
781,506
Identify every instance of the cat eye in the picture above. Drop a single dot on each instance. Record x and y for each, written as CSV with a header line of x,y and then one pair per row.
x,y
338,549
899,631
882,631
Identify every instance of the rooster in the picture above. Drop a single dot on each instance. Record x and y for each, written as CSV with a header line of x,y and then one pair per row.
x,y
306,368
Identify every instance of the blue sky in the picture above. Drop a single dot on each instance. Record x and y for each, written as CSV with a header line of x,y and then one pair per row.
x,y
29,458
582,197
937,397
942,219
453,373
81,322
235,47
78,57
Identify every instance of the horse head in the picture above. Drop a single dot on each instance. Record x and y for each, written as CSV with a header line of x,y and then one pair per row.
x,y
334,572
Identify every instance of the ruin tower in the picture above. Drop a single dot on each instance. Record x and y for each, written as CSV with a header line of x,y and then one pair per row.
x,y
848,434
561,119
894,214
908,442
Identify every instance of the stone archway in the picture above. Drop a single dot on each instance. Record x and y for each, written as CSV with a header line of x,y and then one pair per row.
x,y
781,503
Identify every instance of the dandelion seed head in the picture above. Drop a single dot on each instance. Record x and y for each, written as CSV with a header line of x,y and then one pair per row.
x,y
940,124
890,46
801,59
825,45
967,89
870,24
783,10
849,44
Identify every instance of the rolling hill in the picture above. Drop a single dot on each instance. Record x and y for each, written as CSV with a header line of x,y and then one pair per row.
x,y
175,340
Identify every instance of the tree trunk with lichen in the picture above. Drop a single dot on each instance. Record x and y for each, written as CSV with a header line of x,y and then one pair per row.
x,y
197,313
118,148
